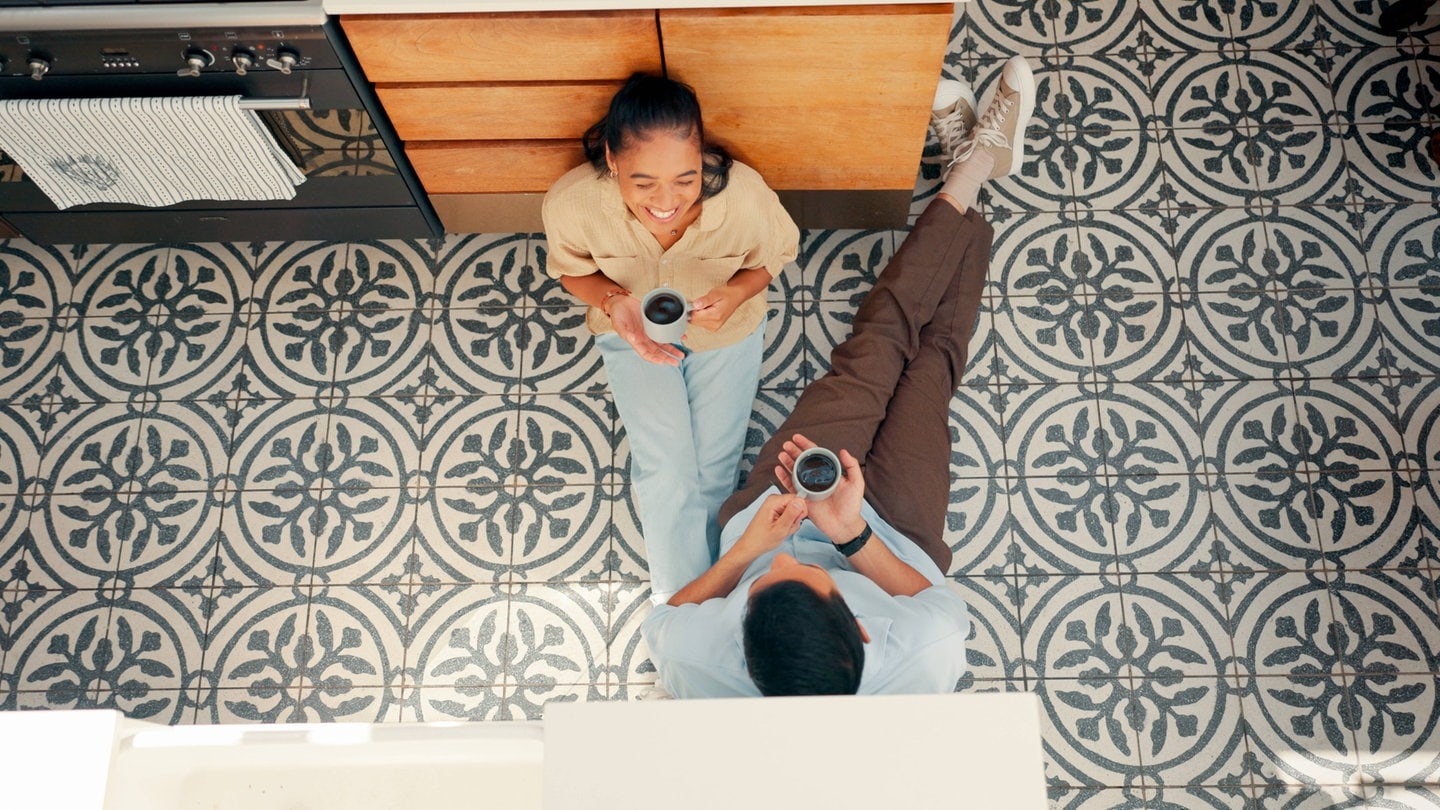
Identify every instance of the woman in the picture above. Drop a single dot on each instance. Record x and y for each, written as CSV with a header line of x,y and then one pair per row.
x,y
658,206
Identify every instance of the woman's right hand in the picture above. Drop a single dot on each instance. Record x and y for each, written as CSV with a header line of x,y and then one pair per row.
x,y
629,324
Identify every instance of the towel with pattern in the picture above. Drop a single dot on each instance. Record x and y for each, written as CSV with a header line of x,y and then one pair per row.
x,y
145,151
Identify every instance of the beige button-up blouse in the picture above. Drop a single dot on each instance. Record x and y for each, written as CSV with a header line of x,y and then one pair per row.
x,y
588,227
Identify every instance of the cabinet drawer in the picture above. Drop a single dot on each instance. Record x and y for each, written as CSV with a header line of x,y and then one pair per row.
x,y
554,46
484,167
495,111
833,97
489,213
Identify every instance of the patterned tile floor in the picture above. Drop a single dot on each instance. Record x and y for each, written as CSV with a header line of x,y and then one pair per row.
x,y
1197,458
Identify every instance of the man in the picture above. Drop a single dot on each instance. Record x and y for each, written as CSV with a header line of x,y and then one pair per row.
x,y
847,595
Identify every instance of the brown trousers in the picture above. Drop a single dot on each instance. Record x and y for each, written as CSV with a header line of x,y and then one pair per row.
x,y
887,395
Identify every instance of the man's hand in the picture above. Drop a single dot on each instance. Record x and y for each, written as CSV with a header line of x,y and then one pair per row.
x,y
838,516
778,518
629,324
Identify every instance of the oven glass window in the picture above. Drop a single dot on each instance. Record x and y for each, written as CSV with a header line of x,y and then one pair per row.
x,y
323,143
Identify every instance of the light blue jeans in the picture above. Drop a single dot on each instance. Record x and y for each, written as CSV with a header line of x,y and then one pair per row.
x,y
687,431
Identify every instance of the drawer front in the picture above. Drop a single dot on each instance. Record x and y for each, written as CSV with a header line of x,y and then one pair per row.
x,y
487,167
814,98
496,112
489,213
558,46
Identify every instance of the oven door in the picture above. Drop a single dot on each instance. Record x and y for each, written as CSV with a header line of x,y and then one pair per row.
x,y
358,185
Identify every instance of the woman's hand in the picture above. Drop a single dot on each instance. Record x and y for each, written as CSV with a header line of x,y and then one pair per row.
x,y
629,324
711,310
838,516
777,519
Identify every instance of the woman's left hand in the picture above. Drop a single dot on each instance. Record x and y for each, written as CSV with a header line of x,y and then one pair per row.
x,y
711,310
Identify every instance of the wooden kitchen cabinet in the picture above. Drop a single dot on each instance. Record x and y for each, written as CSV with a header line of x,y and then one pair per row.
x,y
469,167
830,104
832,98
495,104
514,47
491,111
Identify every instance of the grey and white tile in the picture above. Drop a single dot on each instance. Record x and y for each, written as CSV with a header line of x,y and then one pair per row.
x,y
1195,459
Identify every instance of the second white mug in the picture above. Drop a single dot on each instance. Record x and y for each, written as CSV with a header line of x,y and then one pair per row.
x,y
817,473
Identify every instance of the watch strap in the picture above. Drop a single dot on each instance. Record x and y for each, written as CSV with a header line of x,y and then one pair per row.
x,y
849,549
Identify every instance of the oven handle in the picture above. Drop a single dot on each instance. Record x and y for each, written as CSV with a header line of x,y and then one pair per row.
x,y
275,104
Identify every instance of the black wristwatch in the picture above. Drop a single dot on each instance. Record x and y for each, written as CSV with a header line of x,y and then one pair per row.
x,y
851,548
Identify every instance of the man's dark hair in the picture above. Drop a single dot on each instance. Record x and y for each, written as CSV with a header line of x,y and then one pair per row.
x,y
798,642
646,105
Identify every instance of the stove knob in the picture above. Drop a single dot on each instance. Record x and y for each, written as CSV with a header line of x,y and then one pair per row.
x,y
196,59
243,59
39,66
284,60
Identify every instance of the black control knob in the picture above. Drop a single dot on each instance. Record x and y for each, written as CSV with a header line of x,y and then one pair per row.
x,y
284,59
39,65
196,59
243,59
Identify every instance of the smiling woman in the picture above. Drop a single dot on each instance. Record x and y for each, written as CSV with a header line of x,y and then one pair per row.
x,y
659,206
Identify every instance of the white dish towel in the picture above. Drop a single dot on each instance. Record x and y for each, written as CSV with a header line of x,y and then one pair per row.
x,y
146,151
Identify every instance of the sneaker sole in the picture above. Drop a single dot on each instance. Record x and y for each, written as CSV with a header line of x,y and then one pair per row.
x,y
1022,118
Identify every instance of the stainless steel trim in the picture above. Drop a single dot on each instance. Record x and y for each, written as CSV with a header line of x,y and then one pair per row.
x,y
261,104
133,17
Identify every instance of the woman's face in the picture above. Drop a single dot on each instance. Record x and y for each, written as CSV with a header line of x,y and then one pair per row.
x,y
659,178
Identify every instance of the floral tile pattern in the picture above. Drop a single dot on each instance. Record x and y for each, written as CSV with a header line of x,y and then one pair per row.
x,y
1196,452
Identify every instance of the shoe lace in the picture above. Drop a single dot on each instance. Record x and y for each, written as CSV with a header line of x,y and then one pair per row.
x,y
951,128
987,129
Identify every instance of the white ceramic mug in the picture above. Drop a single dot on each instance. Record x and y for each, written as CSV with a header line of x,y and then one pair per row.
x,y
816,474
666,314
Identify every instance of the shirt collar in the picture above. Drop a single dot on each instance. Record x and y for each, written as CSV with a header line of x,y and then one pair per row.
x,y
610,200
712,214
878,628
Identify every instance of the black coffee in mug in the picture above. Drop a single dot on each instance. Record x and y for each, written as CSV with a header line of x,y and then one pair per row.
x,y
665,309
816,473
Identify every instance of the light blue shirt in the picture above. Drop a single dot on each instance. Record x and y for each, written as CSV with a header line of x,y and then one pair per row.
x,y
917,643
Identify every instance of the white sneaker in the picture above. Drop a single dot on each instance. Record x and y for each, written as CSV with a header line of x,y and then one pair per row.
x,y
952,116
1001,128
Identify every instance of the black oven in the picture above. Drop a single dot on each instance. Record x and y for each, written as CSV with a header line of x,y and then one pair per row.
x,y
286,60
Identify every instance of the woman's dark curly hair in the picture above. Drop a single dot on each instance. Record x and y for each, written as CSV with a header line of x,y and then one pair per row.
x,y
648,104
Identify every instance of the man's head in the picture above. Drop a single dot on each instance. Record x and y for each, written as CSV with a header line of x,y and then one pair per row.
x,y
800,637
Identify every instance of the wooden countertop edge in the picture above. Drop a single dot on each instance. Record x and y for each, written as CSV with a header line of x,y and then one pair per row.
x,y
472,6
